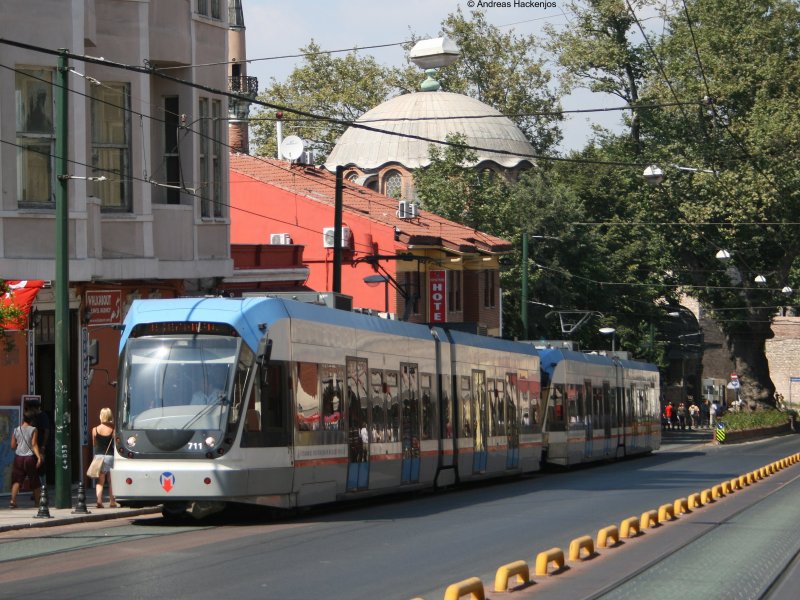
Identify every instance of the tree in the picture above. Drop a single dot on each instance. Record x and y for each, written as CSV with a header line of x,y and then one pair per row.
x,y
500,69
743,58
597,52
505,71
340,88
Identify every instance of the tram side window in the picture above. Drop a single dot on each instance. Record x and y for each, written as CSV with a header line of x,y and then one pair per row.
x,y
429,412
265,422
510,401
556,407
380,406
307,403
241,380
393,417
465,396
356,409
447,408
332,384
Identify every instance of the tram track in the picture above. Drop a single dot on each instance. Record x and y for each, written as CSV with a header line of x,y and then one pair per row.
x,y
702,555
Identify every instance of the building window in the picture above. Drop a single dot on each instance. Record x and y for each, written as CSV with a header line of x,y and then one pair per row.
x,y
216,155
489,289
210,159
35,136
412,287
203,7
171,154
393,184
454,291
111,152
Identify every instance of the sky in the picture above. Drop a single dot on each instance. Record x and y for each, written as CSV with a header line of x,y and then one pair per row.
x,y
280,28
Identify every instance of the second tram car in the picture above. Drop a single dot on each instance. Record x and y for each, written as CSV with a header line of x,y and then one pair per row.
x,y
598,407
280,403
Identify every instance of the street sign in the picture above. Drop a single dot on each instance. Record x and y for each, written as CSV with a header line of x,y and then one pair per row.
x,y
734,384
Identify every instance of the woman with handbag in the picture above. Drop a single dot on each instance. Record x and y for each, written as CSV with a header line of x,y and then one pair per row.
x,y
103,442
27,459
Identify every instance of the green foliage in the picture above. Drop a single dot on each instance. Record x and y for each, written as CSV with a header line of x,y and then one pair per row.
x,y
451,188
505,71
502,70
341,88
7,314
737,421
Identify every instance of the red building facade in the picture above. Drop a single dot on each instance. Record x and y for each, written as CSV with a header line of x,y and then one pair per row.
x,y
400,250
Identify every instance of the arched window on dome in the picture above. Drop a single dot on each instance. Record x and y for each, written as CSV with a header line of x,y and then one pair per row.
x,y
393,184
352,176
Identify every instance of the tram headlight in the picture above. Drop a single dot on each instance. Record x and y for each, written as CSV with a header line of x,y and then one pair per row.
x,y
131,441
211,441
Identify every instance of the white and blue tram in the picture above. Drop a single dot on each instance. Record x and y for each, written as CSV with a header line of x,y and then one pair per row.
x,y
598,407
285,404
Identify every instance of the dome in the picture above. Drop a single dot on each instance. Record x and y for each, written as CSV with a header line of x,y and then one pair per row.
x,y
434,116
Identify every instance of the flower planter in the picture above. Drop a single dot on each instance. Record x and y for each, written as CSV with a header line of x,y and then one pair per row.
x,y
747,435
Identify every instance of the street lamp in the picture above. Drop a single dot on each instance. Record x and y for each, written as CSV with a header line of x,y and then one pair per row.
x,y
374,280
613,333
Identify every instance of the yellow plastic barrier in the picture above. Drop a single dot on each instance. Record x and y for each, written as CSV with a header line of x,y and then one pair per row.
x,y
734,483
706,497
680,506
554,555
763,472
725,486
582,543
666,512
472,586
695,501
648,519
518,569
743,481
629,527
606,534
716,492
751,477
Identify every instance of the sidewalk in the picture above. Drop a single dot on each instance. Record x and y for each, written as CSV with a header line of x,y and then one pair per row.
x,y
26,514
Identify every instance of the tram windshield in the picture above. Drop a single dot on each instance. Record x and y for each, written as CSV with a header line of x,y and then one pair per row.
x,y
178,382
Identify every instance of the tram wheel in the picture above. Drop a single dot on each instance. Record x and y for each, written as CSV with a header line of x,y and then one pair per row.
x,y
174,511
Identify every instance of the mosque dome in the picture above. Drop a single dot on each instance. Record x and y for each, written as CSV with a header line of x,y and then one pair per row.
x,y
432,115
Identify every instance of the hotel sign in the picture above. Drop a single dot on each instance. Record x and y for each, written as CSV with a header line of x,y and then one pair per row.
x,y
437,296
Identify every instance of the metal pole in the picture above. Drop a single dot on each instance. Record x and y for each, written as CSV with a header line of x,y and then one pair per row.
x,y
63,466
523,309
386,296
337,231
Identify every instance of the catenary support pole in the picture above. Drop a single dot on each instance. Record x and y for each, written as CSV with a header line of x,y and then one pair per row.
x,y
63,466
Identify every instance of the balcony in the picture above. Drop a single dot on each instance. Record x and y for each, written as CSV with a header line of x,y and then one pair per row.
x,y
247,86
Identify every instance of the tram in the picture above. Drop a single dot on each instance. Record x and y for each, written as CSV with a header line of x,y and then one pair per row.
x,y
286,404
598,407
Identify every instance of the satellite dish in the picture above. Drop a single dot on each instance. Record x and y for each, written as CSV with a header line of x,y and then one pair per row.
x,y
292,147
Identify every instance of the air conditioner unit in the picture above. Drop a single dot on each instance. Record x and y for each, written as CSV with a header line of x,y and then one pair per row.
x,y
327,237
402,209
407,210
280,238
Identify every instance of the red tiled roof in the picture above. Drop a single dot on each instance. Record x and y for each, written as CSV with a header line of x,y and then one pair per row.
x,y
427,229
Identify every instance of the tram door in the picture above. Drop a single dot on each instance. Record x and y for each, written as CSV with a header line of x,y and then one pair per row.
x,y
358,425
479,432
410,422
589,412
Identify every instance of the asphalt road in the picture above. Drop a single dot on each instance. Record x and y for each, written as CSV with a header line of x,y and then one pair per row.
x,y
401,548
